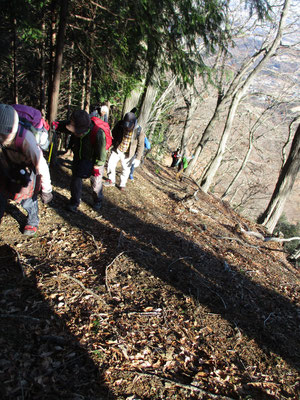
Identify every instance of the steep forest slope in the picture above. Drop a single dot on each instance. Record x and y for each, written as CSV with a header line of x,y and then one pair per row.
x,y
160,296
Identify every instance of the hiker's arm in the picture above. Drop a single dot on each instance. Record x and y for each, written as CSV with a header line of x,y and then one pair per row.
x,y
140,146
34,155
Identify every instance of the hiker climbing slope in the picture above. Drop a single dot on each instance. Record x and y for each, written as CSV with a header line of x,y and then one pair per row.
x,y
23,168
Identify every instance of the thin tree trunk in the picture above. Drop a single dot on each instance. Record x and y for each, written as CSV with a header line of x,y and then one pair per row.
x,y
235,86
284,186
214,165
83,88
15,67
146,106
70,86
88,90
51,51
242,167
42,75
58,60
191,107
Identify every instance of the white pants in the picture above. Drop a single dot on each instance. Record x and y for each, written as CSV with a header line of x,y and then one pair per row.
x,y
114,158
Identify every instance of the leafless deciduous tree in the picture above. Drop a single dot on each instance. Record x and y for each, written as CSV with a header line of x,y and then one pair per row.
x,y
283,186
266,52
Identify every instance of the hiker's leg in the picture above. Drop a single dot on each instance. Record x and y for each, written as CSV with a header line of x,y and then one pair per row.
x,y
126,166
31,206
96,183
76,189
112,165
3,202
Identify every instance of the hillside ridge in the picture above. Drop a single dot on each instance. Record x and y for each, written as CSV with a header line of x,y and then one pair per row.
x,y
157,297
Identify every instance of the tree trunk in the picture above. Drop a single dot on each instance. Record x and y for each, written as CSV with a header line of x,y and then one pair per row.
x,y
83,88
70,86
146,106
211,171
242,167
88,90
15,67
42,75
51,51
58,60
284,186
131,101
191,104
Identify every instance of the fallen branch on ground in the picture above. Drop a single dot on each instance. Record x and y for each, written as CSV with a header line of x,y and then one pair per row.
x,y
99,298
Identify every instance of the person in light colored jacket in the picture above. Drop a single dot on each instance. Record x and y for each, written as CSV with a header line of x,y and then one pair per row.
x,y
127,147
23,169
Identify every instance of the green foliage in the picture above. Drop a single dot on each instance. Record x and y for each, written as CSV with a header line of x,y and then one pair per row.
x,y
288,230
125,40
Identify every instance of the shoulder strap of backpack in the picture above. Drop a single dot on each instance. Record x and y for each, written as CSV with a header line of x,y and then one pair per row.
x,y
94,134
20,136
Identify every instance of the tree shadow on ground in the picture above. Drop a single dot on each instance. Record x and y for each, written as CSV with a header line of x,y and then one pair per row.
x,y
40,357
262,314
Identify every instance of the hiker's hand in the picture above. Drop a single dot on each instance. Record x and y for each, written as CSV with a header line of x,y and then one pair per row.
x,y
136,163
47,197
96,171
55,124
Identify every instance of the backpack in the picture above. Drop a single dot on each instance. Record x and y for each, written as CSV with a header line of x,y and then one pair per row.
x,y
147,144
31,119
98,123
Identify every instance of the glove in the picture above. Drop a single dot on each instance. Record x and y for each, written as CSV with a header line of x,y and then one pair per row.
x,y
47,197
136,163
96,171
55,124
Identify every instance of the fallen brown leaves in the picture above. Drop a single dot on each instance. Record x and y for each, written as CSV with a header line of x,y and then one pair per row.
x,y
147,301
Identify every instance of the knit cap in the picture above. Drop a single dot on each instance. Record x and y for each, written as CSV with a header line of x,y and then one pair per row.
x,y
129,121
9,119
81,121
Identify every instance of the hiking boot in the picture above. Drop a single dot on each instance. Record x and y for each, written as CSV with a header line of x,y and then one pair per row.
x,y
72,208
97,206
30,230
108,183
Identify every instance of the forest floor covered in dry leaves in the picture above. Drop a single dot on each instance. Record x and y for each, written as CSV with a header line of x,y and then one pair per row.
x,y
159,296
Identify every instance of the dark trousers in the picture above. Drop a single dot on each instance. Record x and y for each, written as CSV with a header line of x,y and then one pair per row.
x,y
83,170
30,205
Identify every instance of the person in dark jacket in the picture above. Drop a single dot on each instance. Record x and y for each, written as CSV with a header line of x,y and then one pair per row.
x,y
127,147
89,157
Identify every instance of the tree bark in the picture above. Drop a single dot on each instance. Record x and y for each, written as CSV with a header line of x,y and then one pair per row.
x,y
284,186
43,75
83,88
58,60
191,104
146,106
15,67
70,86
